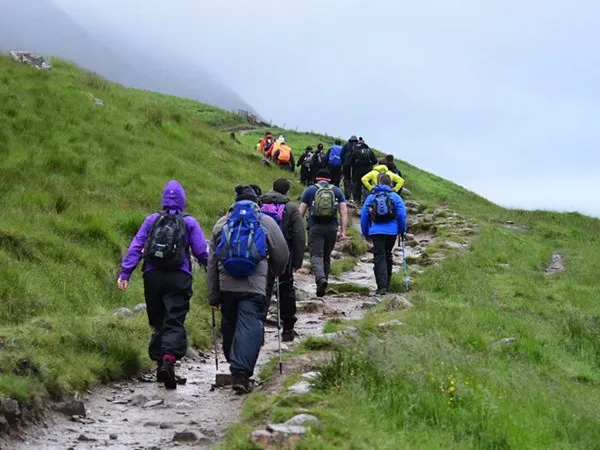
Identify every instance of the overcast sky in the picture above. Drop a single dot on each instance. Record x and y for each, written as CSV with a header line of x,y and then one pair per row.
x,y
502,97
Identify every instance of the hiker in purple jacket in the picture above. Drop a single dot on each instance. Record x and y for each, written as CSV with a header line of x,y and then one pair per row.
x,y
167,292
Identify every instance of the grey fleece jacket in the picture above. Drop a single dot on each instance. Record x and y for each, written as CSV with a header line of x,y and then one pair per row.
x,y
293,226
218,280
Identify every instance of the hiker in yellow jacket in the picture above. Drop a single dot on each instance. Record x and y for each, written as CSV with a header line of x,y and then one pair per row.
x,y
371,179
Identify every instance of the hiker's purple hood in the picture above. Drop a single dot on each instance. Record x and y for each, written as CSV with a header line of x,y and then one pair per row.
x,y
173,196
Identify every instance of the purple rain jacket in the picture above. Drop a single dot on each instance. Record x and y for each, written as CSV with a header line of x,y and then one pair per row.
x,y
173,200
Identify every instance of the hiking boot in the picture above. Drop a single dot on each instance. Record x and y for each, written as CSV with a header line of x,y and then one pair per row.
x,y
166,373
382,291
159,374
287,335
321,288
241,385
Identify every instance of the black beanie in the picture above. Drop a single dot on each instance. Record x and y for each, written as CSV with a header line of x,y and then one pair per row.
x,y
324,173
245,193
282,185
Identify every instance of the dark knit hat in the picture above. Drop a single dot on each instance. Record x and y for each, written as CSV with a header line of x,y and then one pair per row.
x,y
282,185
257,189
323,174
353,138
245,193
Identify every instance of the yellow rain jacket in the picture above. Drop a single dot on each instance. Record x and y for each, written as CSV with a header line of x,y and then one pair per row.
x,y
370,180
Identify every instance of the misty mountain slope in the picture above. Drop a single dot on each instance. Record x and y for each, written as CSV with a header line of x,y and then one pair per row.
x,y
41,26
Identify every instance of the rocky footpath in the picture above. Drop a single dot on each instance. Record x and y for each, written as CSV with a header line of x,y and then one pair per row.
x,y
141,414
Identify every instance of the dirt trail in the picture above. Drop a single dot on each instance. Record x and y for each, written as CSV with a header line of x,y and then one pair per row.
x,y
121,415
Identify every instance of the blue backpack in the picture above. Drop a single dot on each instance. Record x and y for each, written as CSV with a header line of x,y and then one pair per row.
x,y
335,156
243,242
382,209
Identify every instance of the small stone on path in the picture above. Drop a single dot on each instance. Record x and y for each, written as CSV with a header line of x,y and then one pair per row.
x,y
153,403
302,387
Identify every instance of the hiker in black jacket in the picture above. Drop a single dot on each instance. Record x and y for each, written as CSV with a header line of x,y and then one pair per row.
x,y
362,161
318,161
304,163
347,151
293,230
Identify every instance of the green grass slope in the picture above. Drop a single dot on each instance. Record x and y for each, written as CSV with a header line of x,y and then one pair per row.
x,y
76,181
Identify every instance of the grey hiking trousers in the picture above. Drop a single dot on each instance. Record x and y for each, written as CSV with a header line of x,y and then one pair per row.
x,y
321,241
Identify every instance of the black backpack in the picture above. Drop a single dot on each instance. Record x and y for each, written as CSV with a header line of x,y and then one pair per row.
x,y
382,209
363,155
165,246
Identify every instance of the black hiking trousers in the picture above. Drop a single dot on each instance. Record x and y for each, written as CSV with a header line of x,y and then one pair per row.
x,y
286,166
321,241
336,174
348,187
383,261
242,325
359,189
287,302
167,296
305,176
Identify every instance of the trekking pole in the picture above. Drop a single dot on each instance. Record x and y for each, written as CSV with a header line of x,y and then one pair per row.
x,y
404,263
278,323
214,326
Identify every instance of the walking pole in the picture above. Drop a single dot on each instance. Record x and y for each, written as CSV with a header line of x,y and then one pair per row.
x,y
214,326
404,263
278,323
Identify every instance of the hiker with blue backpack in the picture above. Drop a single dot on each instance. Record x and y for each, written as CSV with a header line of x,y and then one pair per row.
x,y
334,162
382,220
164,242
245,245
277,205
323,201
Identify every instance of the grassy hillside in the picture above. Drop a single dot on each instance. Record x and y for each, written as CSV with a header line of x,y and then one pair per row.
x,y
76,180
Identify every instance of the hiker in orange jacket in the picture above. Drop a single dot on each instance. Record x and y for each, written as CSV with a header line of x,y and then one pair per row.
x,y
265,145
282,155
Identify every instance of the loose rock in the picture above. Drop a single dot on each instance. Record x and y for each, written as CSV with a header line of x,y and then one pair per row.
x,y
556,264
262,437
391,323
286,435
302,387
71,408
397,303
310,375
84,438
188,436
113,436
153,403
123,312
140,307
98,102
31,59
139,399
302,419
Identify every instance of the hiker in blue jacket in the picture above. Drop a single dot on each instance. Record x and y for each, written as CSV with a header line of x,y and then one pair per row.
x,y
335,160
382,219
